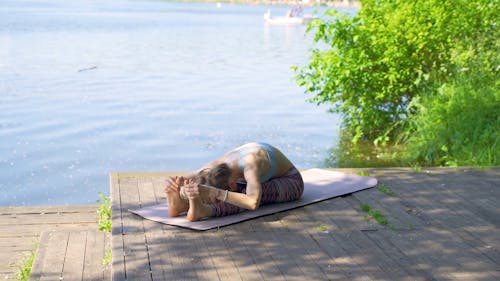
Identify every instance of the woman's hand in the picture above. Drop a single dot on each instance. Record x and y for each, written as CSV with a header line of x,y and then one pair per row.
x,y
194,190
173,184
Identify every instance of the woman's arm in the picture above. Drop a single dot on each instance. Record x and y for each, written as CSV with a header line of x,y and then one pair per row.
x,y
250,200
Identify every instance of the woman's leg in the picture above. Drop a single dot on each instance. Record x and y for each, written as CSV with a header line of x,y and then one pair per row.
x,y
224,209
283,189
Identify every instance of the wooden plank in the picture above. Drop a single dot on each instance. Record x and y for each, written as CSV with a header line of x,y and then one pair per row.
x,y
350,241
55,255
478,234
136,257
256,245
387,263
247,268
117,247
286,222
35,229
208,269
321,258
75,256
147,197
226,269
340,260
315,266
10,264
391,207
118,262
312,222
184,255
293,221
10,210
115,201
281,253
440,256
488,208
268,223
107,268
18,241
410,264
15,248
41,252
95,250
344,213
470,265
463,190
342,227
159,189
129,199
51,218
435,207
314,219
160,256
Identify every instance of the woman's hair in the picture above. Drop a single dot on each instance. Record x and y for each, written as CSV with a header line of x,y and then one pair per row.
x,y
217,176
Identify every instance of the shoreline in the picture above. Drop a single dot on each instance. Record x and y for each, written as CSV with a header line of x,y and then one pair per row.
x,y
312,3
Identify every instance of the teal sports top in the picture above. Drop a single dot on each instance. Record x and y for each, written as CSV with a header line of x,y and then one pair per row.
x,y
271,156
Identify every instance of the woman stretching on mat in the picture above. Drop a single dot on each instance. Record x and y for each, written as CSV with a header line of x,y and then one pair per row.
x,y
244,178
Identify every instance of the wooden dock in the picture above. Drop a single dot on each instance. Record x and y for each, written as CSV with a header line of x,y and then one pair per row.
x,y
64,236
443,224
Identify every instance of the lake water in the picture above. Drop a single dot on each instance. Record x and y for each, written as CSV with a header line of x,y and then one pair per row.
x,y
89,87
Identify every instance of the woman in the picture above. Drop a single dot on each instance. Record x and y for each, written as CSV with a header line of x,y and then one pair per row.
x,y
244,178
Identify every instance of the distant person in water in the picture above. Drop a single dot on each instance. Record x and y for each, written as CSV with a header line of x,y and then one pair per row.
x,y
246,177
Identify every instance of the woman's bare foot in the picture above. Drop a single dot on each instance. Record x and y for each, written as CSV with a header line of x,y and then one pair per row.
x,y
176,205
198,210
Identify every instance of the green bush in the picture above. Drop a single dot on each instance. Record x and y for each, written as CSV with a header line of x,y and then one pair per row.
x,y
422,73
371,66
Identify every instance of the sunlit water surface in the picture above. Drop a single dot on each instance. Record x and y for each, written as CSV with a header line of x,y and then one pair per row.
x,y
89,87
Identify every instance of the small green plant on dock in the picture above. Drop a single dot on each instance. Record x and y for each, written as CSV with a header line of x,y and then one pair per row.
x,y
322,228
25,269
108,257
363,173
374,214
104,212
386,190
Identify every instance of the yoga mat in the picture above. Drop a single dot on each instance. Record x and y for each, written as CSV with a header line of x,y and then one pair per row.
x,y
319,185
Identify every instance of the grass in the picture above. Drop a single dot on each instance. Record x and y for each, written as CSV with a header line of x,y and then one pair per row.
x,y
25,269
363,173
458,125
386,190
104,212
108,257
322,228
374,214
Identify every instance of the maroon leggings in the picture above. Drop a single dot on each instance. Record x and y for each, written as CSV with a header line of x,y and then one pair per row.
x,y
286,188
